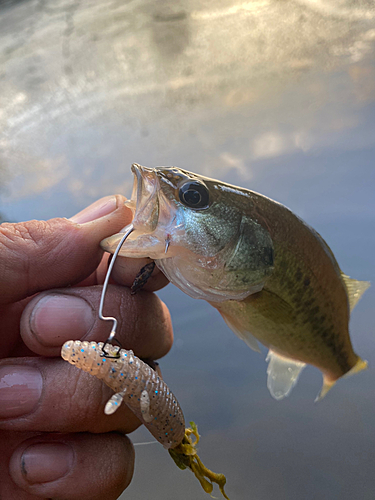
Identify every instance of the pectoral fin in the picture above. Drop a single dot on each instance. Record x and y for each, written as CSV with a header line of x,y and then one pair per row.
x,y
282,374
355,289
244,335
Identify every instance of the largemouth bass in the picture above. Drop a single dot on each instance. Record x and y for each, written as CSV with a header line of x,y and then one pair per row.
x,y
270,275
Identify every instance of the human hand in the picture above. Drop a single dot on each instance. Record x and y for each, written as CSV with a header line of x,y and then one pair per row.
x,y
55,440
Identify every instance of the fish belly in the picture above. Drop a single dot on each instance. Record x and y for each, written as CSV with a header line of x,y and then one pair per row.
x,y
307,338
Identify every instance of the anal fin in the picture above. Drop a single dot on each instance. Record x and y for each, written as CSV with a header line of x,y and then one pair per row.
x,y
282,374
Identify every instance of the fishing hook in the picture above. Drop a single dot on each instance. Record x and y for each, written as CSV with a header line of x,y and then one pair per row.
x,y
104,290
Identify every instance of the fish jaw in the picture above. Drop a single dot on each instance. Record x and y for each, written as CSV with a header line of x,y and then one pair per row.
x,y
154,219
136,246
144,201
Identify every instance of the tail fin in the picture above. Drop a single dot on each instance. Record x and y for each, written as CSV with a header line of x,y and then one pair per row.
x,y
358,367
328,384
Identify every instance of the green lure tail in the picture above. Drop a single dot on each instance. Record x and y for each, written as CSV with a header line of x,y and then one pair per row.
x,y
185,456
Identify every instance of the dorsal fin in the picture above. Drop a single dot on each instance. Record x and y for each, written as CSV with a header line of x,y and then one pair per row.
x,y
355,289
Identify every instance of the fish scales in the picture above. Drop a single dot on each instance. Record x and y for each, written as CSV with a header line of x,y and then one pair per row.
x,y
302,310
144,392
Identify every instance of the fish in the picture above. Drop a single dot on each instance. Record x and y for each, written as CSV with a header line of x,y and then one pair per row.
x,y
271,276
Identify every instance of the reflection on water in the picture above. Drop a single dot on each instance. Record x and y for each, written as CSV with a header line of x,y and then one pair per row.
x,y
275,96
86,89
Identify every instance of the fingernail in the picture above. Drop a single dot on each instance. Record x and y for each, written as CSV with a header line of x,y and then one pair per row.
x,y
20,390
55,317
46,462
98,209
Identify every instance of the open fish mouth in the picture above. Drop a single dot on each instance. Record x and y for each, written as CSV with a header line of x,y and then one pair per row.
x,y
144,204
154,218
144,201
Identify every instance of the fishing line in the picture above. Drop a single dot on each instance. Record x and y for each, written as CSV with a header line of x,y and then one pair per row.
x,y
112,335
144,444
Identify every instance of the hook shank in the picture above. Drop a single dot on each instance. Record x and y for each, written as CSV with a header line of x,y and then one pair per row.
x,y
129,230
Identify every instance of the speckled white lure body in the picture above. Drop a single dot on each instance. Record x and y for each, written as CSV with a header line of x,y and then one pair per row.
x,y
135,383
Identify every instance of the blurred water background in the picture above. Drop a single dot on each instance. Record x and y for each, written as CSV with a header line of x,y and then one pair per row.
x,y
276,96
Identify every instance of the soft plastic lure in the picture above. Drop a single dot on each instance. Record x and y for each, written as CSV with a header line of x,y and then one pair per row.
x,y
137,385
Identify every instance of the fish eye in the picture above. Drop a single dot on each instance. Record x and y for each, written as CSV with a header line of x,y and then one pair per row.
x,y
194,194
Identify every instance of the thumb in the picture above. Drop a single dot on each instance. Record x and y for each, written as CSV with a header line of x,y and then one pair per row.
x,y
39,255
